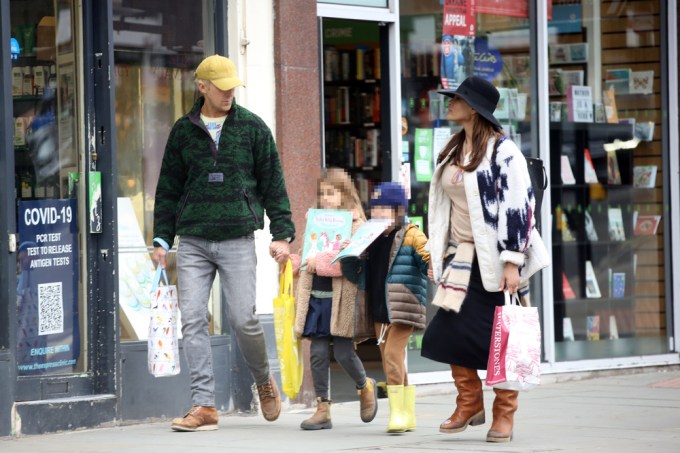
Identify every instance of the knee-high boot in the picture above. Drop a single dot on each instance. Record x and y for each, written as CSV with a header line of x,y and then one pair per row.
x,y
469,403
395,394
410,407
504,407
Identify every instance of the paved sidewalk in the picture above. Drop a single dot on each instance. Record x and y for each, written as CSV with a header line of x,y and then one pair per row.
x,y
622,413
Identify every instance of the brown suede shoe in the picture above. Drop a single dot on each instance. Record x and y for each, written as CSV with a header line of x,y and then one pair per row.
x,y
368,401
270,399
199,418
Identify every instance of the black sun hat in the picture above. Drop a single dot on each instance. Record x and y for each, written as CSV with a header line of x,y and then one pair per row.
x,y
480,94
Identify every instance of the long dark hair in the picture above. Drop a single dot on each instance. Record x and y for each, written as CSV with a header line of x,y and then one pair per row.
x,y
482,131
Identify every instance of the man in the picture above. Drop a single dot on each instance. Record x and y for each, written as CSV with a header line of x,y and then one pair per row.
x,y
220,172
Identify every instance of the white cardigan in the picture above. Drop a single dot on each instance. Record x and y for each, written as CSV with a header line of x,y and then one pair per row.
x,y
503,224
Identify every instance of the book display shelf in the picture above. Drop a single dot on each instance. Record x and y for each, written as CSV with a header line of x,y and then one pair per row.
x,y
593,257
353,84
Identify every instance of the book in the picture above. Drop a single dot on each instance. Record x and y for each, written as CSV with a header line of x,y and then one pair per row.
x,y
592,287
567,290
567,174
593,328
644,176
567,329
567,234
580,103
362,238
325,231
591,233
613,328
616,229
609,101
644,131
618,285
646,225
641,82
613,173
619,79
589,174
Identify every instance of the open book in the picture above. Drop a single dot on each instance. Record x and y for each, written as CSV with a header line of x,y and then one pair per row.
x,y
362,238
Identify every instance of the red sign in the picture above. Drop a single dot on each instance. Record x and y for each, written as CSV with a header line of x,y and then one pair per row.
x,y
517,8
459,17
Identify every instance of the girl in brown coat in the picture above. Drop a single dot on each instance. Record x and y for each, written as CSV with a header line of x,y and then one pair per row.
x,y
325,309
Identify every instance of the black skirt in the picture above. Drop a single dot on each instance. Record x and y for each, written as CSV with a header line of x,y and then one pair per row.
x,y
463,338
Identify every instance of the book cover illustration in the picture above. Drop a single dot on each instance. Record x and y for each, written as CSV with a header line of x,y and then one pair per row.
x,y
613,173
567,173
580,102
609,101
646,225
567,290
591,232
616,230
618,284
641,82
592,287
589,174
326,230
593,327
644,176
619,79
362,238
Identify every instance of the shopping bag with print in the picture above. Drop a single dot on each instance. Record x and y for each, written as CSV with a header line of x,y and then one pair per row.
x,y
163,358
515,351
287,344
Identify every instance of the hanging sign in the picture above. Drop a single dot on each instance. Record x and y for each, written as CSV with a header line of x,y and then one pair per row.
x,y
48,339
459,18
518,8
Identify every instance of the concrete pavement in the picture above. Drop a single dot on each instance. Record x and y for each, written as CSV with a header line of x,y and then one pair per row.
x,y
625,412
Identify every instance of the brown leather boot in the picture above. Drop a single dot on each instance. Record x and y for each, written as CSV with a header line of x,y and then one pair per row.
x,y
199,418
321,418
504,407
469,403
270,399
368,401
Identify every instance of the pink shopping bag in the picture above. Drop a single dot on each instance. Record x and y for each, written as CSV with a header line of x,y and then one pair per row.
x,y
515,351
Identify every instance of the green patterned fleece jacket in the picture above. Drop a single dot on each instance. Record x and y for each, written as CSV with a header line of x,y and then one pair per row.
x,y
221,192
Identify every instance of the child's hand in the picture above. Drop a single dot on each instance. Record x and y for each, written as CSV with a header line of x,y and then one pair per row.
x,y
430,274
344,244
311,264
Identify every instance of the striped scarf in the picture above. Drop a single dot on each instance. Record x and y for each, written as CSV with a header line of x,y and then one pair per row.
x,y
453,286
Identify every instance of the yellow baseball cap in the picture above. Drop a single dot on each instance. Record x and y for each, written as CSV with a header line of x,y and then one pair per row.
x,y
219,70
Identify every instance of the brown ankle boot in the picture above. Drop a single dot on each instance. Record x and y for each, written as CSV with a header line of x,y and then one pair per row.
x,y
321,418
504,407
469,403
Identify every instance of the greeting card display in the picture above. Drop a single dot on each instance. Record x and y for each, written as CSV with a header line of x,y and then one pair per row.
x,y
593,327
618,284
589,175
616,230
613,173
567,329
567,290
567,173
591,233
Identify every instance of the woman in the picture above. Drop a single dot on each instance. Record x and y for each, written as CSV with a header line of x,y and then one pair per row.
x,y
481,228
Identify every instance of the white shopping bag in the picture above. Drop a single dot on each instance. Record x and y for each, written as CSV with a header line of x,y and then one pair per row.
x,y
163,359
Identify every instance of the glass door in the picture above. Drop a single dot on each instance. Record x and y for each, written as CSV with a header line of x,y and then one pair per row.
x,y
51,309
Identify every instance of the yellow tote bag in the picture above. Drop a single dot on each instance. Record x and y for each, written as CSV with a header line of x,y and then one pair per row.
x,y
287,345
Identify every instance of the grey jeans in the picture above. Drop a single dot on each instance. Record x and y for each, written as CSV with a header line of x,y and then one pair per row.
x,y
235,260
320,358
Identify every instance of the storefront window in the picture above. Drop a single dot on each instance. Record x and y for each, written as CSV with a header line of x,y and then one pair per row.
x,y
442,43
608,197
155,55
45,109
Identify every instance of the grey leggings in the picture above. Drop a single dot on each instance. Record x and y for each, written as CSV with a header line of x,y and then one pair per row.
x,y
343,349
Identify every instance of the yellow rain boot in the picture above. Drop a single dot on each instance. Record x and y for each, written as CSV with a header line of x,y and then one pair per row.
x,y
395,394
410,407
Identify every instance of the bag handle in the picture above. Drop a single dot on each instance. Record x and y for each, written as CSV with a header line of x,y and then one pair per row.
x,y
512,299
286,279
160,273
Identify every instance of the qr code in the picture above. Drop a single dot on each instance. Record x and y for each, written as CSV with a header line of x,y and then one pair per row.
x,y
50,308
